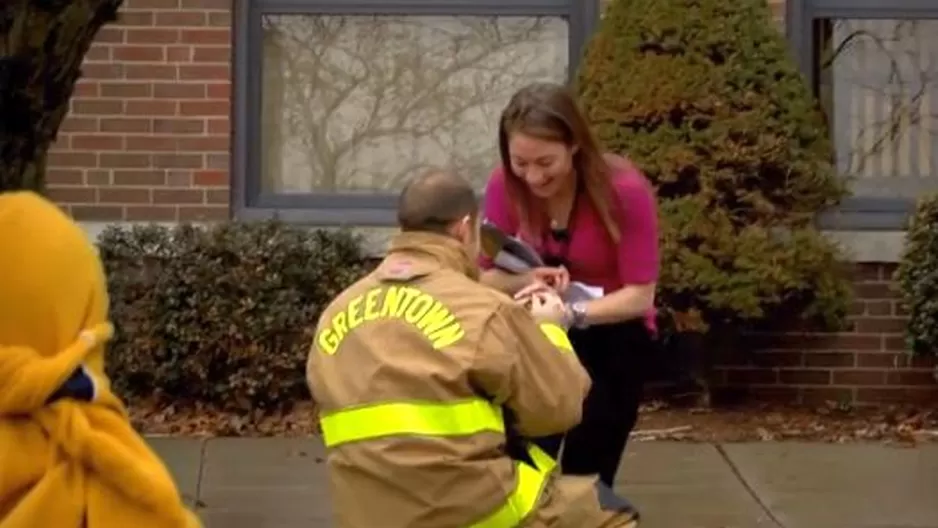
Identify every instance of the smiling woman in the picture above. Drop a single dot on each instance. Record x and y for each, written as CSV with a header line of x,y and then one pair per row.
x,y
592,217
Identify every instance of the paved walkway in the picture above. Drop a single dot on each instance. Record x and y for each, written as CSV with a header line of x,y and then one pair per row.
x,y
280,483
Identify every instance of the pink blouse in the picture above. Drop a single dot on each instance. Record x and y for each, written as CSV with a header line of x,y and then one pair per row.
x,y
592,255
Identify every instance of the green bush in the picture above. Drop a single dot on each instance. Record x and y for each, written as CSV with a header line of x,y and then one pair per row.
x,y
918,278
704,97
221,315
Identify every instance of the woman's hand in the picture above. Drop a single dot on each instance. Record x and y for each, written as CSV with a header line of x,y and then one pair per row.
x,y
556,278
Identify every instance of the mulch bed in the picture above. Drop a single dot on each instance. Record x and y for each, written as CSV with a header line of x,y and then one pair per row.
x,y
832,423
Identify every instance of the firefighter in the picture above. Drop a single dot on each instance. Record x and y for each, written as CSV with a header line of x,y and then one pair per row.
x,y
426,379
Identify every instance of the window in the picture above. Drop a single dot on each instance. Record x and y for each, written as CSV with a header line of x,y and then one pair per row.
x,y
344,101
874,65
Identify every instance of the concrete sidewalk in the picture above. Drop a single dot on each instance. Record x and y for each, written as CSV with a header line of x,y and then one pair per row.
x,y
280,483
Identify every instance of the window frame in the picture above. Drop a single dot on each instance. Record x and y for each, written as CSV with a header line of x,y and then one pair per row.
x,y
858,212
248,202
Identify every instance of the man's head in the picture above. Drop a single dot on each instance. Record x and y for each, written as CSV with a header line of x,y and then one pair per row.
x,y
441,202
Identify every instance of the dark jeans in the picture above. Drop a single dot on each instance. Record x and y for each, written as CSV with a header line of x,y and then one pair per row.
x,y
616,358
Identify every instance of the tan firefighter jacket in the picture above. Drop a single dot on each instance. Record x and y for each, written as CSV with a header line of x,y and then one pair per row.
x,y
411,368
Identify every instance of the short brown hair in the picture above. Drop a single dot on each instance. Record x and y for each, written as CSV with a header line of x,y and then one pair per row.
x,y
435,200
549,111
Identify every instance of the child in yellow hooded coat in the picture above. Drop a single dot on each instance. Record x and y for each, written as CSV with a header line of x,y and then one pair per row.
x,y
69,457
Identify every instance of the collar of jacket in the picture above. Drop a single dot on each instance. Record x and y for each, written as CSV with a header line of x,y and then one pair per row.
x,y
447,251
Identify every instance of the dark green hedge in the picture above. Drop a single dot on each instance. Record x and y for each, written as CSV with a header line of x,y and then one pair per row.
x,y
221,315
918,278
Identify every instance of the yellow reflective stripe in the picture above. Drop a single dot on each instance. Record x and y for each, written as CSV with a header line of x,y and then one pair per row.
x,y
557,336
528,488
428,419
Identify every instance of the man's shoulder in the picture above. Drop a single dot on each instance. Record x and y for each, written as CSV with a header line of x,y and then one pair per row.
x,y
471,289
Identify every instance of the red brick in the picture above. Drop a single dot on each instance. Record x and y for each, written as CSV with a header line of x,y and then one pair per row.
x,y
218,196
72,195
859,377
179,90
122,195
143,177
97,213
64,176
86,88
97,142
221,5
818,396
126,89
152,36
134,18
153,107
151,4
72,159
204,108
177,161
221,19
882,360
830,359
178,126
151,72
122,160
751,376
179,178
896,343
207,54
152,213
898,395
219,126
178,53
111,35
804,377
150,143
911,377
178,196
211,178
181,18
880,325
203,144
219,90
97,106
218,161
96,177
139,53
102,71
202,214
206,36
774,394
79,124
204,72
98,52
124,124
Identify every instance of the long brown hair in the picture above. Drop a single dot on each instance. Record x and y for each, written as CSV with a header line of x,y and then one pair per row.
x,y
548,111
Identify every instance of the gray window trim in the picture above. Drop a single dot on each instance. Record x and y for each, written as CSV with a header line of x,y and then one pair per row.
x,y
857,213
247,201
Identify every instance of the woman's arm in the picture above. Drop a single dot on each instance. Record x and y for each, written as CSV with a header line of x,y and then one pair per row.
x,y
638,255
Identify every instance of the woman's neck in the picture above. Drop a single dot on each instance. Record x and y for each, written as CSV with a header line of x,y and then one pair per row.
x,y
560,206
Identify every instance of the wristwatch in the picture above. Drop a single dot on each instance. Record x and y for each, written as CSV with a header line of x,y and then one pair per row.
x,y
578,314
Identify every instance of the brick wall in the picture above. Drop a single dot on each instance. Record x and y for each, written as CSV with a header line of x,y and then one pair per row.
x,y
866,363
147,137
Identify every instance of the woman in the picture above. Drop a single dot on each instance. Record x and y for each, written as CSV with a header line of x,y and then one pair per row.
x,y
593,218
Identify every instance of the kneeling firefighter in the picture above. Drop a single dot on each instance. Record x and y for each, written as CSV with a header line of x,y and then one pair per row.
x,y
417,368
69,457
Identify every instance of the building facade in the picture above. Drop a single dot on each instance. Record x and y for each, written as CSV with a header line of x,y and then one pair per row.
x,y
316,110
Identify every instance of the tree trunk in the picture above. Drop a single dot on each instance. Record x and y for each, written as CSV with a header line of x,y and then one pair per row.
x,y
42,45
